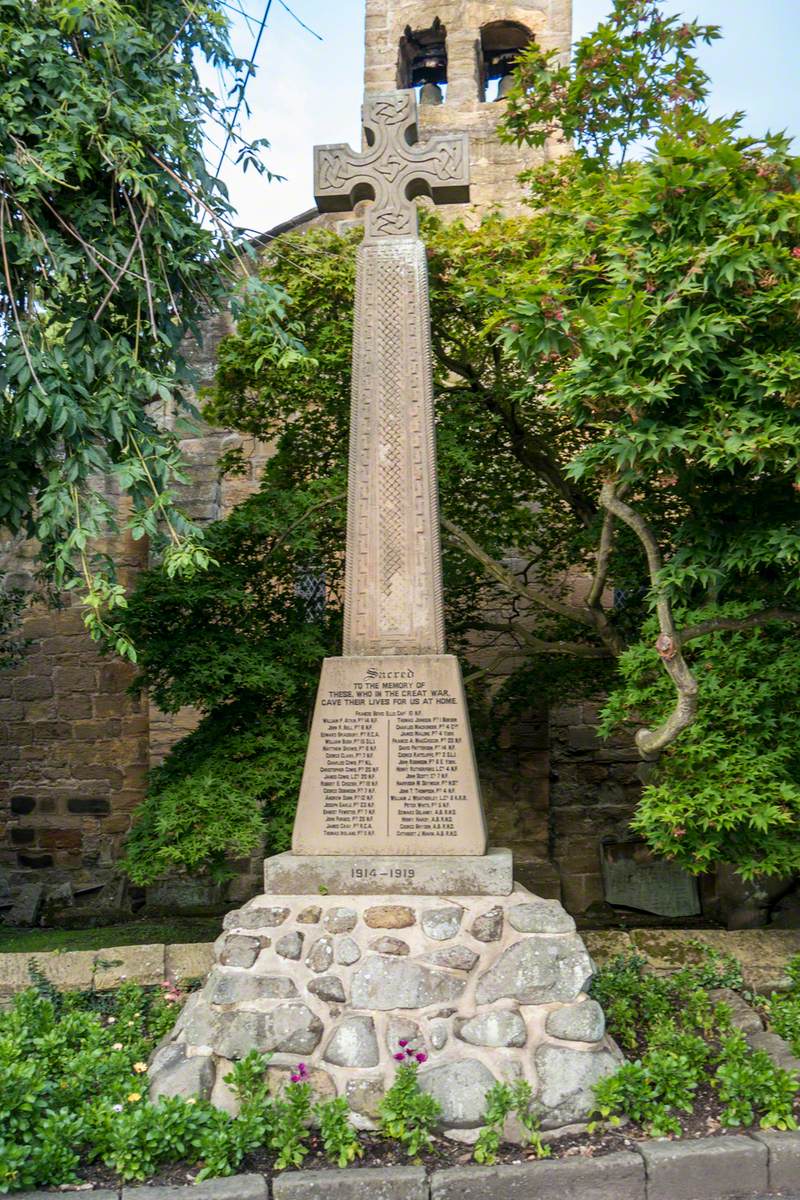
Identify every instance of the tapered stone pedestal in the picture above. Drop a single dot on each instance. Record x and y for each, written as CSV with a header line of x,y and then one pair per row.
x,y
488,987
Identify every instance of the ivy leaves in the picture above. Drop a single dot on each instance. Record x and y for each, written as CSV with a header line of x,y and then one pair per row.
x,y
106,265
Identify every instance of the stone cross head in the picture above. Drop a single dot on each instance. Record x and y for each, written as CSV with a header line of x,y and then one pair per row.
x,y
393,169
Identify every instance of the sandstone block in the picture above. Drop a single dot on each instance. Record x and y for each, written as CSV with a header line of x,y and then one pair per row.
x,y
457,958
347,952
255,917
172,1073
287,1029
389,916
389,945
233,986
238,950
367,1183
364,1096
489,874
290,945
707,1169
188,960
137,964
340,920
489,926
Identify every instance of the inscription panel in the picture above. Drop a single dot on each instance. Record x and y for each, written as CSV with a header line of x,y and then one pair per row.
x,y
390,765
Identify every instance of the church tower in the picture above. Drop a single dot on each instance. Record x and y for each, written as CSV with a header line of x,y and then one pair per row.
x,y
458,56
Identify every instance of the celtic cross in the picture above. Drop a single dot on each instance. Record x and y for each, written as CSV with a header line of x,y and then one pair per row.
x,y
393,586
393,169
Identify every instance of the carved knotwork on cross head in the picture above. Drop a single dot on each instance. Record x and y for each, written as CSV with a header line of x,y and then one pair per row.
x,y
393,169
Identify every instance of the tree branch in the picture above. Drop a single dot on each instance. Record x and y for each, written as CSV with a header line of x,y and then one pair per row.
x,y
575,649
650,742
509,582
735,624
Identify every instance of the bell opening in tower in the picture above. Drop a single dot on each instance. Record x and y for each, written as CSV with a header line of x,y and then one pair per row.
x,y
422,63
501,45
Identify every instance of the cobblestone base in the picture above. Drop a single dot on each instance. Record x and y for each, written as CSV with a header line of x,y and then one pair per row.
x,y
487,988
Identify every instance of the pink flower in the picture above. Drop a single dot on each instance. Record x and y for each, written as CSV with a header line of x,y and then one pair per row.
x,y
421,1058
795,251
400,1057
403,1043
295,1079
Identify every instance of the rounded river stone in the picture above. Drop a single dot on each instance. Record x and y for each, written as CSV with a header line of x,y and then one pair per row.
x,y
460,1089
577,1022
540,916
353,1043
537,970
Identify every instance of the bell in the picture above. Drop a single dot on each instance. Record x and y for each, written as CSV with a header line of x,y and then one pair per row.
x,y
431,94
505,86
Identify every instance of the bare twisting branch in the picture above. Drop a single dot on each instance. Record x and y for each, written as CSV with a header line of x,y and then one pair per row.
x,y
650,742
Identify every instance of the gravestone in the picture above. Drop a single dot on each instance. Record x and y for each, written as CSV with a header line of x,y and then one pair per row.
x,y
389,921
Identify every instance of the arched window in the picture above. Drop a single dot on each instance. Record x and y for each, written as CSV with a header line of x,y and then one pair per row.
x,y
423,62
501,43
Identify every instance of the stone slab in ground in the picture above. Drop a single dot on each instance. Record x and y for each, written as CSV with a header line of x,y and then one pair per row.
x,y
237,1187
784,1158
364,1183
706,1169
337,981
763,953
613,1177
490,874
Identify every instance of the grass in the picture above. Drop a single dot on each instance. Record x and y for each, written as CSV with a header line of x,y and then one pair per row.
x,y
131,933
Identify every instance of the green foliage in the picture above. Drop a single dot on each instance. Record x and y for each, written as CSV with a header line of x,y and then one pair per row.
x,y
729,790
75,1091
752,1087
105,266
12,602
407,1114
783,1008
339,1138
290,1120
627,78
684,1042
230,787
502,1100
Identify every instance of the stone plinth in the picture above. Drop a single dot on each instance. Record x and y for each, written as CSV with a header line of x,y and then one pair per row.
x,y
489,874
390,768
489,988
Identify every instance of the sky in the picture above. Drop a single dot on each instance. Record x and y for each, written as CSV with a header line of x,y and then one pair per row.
x,y
308,92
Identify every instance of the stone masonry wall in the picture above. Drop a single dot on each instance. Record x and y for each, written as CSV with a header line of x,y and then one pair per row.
x,y
594,787
73,749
